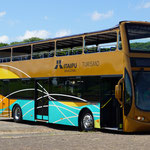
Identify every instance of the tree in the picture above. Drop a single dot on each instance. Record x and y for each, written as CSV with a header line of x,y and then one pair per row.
x,y
27,40
15,43
3,44
140,46
31,39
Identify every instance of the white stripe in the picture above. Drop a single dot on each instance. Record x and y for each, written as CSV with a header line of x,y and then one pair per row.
x,y
44,90
63,113
56,100
27,103
16,69
42,106
28,112
38,107
69,96
96,106
65,118
65,109
69,106
64,95
96,113
40,91
54,103
17,92
32,89
96,116
47,95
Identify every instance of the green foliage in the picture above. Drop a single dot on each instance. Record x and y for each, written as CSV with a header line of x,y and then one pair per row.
x,y
15,43
32,39
24,41
3,44
140,46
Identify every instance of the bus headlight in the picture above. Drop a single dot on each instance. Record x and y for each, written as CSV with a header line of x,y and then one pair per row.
x,y
140,118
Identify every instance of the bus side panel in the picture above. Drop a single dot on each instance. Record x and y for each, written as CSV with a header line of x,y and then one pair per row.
x,y
67,113
27,107
61,113
4,106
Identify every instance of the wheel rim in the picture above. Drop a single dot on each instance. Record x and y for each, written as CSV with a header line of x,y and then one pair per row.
x,y
88,121
17,113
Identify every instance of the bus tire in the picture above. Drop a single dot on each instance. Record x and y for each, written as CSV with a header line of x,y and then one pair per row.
x,y
17,114
86,121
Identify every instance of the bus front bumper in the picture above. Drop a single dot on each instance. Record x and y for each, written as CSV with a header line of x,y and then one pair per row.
x,y
132,125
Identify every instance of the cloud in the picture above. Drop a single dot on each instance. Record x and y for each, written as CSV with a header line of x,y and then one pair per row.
x,y
4,39
144,5
36,33
3,13
45,17
63,33
99,16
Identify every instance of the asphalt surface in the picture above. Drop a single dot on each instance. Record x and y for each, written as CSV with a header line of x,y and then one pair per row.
x,y
42,136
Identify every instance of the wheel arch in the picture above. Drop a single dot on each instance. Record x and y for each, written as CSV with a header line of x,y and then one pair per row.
x,y
81,112
12,114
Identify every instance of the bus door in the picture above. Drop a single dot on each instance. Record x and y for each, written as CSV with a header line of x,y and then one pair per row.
x,y
41,99
111,112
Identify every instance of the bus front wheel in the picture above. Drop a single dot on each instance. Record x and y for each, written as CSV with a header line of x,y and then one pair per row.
x,y
17,114
86,121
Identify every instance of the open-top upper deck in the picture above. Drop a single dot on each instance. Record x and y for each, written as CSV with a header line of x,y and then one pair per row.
x,y
63,46
94,53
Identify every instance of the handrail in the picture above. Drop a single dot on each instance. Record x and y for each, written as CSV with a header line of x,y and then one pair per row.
x,y
42,55
73,51
61,52
21,57
5,59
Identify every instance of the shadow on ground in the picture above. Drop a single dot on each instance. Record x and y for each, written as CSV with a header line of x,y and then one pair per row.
x,y
48,125
71,128
124,133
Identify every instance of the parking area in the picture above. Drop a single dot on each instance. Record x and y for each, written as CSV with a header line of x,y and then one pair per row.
x,y
41,136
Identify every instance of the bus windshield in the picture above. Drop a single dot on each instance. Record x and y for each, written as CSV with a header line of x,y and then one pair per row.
x,y
139,37
142,89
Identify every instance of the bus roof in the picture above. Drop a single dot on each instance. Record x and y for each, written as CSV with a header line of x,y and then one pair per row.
x,y
77,36
58,38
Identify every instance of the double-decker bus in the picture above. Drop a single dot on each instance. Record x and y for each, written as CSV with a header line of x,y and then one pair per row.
x,y
91,80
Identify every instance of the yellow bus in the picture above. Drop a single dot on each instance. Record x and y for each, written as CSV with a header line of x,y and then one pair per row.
x,y
91,80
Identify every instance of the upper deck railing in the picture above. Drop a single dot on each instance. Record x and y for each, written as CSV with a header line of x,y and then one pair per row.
x,y
97,42
61,52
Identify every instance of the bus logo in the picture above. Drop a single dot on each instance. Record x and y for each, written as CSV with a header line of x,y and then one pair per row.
x,y
58,64
68,67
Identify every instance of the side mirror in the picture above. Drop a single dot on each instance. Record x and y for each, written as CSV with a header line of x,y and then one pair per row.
x,y
118,90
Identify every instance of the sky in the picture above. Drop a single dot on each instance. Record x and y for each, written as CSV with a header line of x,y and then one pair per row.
x,y
23,19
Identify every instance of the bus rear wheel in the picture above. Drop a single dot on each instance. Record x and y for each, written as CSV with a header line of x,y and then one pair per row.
x,y
17,114
86,121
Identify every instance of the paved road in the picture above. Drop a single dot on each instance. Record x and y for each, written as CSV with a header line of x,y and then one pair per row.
x,y
42,136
